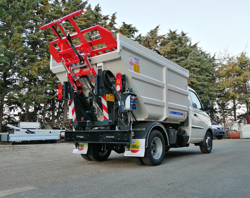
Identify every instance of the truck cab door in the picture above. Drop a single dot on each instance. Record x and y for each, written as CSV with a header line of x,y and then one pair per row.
x,y
199,118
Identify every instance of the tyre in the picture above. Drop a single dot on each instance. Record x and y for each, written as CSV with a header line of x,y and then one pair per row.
x,y
208,143
86,157
138,160
98,152
219,137
155,151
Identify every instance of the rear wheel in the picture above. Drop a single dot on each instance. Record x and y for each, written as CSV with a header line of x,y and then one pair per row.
x,y
86,157
98,152
138,160
155,151
208,143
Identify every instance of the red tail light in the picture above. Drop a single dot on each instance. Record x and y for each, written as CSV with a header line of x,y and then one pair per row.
x,y
60,90
118,86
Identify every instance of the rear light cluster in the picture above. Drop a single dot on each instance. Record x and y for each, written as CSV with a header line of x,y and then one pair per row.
x,y
60,91
118,86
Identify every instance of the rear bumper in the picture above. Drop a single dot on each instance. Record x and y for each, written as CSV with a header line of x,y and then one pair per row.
x,y
99,136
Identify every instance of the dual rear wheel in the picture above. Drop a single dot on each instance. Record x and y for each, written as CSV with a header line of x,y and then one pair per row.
x,y
97,152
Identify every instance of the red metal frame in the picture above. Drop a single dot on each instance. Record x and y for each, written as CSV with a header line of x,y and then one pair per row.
x,y
66,53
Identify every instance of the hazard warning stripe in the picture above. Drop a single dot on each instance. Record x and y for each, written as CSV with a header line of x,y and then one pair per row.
x,y
73,112
105,108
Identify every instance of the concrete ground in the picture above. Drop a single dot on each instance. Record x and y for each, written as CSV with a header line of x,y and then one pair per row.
x,y
46,170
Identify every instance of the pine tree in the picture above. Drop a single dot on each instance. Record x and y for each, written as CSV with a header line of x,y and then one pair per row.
x,y
36,81
127,30
12,54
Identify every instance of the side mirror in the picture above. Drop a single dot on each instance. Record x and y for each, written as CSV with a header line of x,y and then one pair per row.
x,y
207,105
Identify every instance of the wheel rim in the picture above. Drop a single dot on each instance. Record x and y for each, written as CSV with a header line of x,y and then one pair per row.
x,y
156,148
208,142
100,150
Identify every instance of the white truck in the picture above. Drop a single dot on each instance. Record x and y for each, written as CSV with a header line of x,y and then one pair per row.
x,y
125,97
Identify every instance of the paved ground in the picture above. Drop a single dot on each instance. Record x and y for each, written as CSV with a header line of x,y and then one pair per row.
x,y
51,170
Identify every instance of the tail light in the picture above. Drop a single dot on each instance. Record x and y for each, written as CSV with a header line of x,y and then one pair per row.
x,y
118,86
60,90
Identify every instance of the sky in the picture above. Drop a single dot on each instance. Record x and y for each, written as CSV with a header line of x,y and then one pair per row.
x,y
217,25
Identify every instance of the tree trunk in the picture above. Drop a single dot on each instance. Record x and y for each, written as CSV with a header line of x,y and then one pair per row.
x,y
234,108
53,112
26,114
247,103
1,116
3,84
65,108
44,112
58,120
223,117
35,114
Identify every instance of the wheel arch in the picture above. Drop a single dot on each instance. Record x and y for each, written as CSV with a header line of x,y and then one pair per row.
x,y
211,131
142,130
159,127
203,143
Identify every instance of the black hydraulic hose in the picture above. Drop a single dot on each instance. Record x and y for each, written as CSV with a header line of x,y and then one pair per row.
x,y
74,49
107,81
107,75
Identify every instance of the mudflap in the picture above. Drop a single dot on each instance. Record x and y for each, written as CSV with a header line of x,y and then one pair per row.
x,y
137,148
81,148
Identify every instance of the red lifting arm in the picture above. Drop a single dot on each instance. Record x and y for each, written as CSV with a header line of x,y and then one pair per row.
x,y
71,54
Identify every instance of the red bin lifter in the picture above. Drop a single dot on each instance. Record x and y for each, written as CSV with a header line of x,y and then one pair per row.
x,y
70,54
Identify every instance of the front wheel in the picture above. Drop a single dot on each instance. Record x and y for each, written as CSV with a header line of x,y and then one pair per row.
x,y
207,148
155,151
98,152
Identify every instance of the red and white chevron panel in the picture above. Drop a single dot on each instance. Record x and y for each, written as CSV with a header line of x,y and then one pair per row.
x,y
105,108
72,110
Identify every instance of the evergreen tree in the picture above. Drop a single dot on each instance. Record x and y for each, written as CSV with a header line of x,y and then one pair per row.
x,y
222,108
36,81
244,91
127,30
233,73
11,53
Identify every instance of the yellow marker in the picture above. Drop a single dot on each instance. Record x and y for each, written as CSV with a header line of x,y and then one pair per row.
x,y
136,68
110,97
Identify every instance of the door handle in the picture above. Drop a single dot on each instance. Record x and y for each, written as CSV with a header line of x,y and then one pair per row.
x,y
195,115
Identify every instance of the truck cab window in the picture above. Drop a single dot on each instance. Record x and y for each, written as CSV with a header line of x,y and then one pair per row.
x,y
195,101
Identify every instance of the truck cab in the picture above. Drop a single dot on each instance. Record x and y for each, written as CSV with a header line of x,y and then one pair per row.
x,y
199,119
